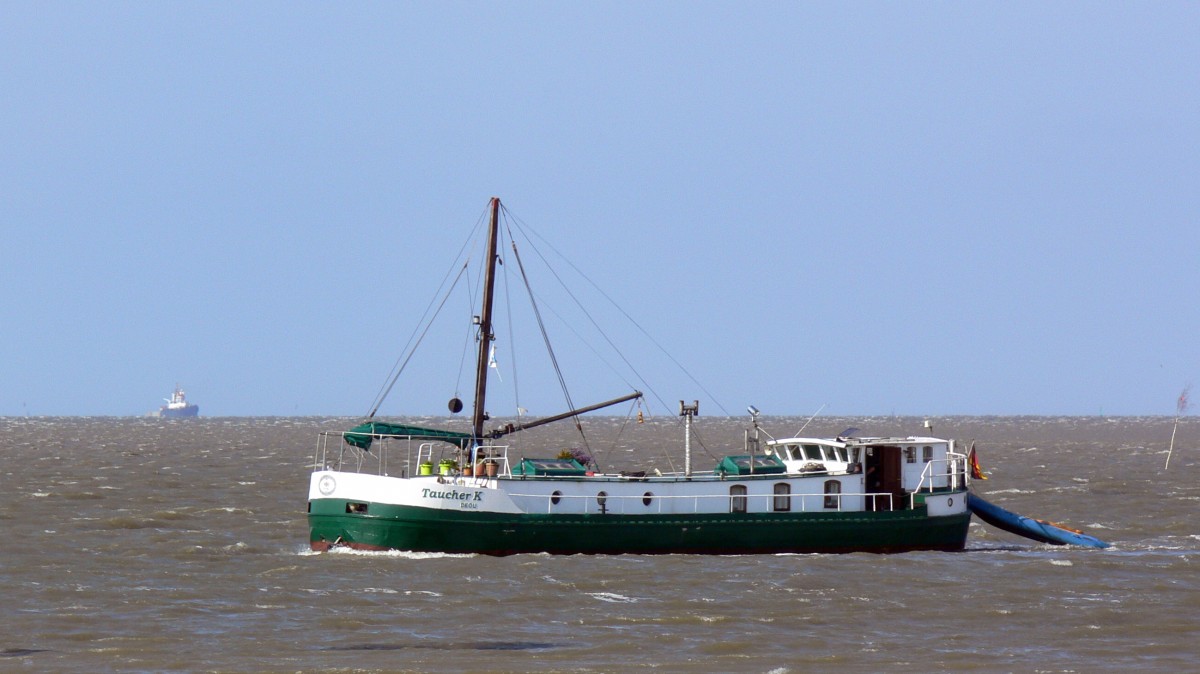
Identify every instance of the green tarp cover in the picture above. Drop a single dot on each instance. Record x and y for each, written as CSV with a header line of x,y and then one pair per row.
x,y
555,467
361,435
740,465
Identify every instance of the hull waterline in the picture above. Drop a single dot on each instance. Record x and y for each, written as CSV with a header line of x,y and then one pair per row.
x,y
426,530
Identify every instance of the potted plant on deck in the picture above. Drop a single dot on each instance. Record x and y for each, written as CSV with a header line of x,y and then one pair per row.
x,y
576,454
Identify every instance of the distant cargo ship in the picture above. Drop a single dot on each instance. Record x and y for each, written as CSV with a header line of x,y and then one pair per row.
x,y
178,407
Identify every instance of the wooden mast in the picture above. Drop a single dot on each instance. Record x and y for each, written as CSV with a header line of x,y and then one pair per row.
x,y
485,322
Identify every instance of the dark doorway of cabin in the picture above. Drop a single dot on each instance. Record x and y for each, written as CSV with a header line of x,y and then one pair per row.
x,y
883,478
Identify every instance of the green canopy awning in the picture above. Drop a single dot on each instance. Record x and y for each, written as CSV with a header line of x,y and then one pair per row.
x,y
361,435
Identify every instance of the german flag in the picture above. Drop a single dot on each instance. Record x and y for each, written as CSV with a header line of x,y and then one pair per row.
x,y
976,471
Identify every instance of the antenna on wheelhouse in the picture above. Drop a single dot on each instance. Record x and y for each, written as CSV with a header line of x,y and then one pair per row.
x,y
687,412
485,322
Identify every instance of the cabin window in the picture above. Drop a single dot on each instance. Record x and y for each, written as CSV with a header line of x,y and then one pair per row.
x,y
927,453
737,498
854,454
794,452
813,453
841,454
783,497
647,498
556,497
910,454
833,494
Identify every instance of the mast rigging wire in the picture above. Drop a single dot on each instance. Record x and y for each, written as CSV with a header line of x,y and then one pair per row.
x,y
512,340
619,308
398,366
399,370
562,382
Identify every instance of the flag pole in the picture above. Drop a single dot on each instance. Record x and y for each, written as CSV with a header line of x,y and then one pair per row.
x,y
1181,406
1172,447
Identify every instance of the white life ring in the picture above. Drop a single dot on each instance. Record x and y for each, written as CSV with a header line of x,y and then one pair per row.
x,y
327,485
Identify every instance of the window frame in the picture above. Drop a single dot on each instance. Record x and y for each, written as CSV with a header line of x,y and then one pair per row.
x,y
782,501
833,494
738,499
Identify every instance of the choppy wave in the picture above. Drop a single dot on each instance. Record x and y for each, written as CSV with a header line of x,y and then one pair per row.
x,y
138,545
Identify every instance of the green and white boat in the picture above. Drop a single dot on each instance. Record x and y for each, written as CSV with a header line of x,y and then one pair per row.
x,y
387,486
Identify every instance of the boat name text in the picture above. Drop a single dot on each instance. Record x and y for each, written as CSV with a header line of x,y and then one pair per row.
x,y
452,495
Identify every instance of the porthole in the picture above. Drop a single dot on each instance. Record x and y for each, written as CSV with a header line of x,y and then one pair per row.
x,y
647,498
556,497
601,498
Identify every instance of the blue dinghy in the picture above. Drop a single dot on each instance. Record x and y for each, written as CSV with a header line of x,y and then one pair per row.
x,y
1038,530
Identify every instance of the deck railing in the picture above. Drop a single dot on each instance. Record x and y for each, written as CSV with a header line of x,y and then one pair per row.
x,y
953,468
407,455
399,452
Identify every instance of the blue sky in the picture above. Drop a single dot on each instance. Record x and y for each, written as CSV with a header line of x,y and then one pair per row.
x,y
910,208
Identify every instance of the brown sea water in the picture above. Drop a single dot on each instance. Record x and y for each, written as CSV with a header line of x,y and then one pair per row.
x,y
155,545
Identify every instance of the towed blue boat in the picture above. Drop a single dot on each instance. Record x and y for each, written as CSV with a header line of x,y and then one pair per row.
x,y
1038,530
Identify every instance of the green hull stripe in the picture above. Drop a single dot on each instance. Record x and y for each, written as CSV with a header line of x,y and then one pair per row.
x,y
432,530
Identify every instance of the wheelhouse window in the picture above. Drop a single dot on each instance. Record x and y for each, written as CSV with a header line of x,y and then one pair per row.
x,y
783,497
813,453
927,453
833,494
910,454
737,498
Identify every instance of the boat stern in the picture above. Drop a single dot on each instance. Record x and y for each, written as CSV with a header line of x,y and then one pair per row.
x,y
943,504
